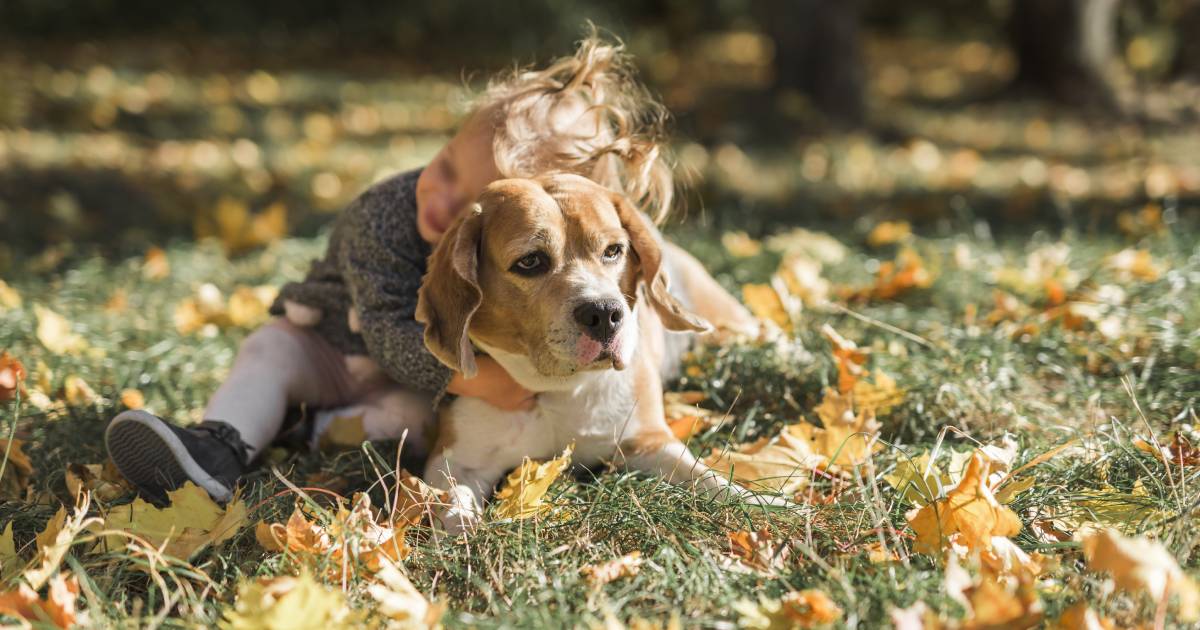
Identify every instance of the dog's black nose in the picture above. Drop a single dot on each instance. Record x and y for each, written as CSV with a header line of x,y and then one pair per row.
x,y
600,319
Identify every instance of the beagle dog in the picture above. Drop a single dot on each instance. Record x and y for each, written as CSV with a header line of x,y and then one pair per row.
x,y
562,282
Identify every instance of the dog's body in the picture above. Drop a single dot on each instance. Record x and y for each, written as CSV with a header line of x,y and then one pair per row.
x,y
562,283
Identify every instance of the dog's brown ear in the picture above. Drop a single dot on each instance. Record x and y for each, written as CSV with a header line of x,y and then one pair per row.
x,y
450,293
649,255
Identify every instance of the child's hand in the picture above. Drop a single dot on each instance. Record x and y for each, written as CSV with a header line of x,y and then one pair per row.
x,y
493,385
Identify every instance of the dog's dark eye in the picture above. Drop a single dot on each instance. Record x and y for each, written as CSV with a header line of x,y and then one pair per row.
x,y
614,251
531,264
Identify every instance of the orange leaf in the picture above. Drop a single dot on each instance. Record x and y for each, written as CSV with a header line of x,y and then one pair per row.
x,y
969,514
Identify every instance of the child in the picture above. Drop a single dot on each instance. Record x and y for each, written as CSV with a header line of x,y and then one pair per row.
x,y
344,339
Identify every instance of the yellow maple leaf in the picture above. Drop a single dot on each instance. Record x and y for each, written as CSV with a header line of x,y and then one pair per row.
x,y
684,418
809,608
602,573
288,603
54,331
1139,565
879,396
190,522
766,303
781,464
132,398
969,510
248,305
845,438
917,479
521,496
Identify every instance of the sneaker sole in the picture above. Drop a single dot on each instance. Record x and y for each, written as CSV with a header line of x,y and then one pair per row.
x,y
151,456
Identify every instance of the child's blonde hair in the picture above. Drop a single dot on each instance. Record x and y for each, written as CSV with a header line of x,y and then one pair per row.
x,y
585,114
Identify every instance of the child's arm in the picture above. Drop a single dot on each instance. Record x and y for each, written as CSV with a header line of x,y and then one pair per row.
x,y
379,261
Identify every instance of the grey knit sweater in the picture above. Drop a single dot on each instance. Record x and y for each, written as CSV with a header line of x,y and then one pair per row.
x,y
374,264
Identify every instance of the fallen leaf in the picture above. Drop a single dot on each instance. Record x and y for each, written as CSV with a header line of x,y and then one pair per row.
x,y
102,480
766,303
54,541
781,464
12,377
878,396
522,493
16,472
10,562
9,298
602,573
1139,565
740,245
1180,452
889,233
1134,264
817,246
801,276
132,398
155,265
757,551
918,616
58,608
401,603
996,605
1081,617
917,479
78,393
190,522
248,305
799,609
969,510
342,433
684,418
54,331
1146,221
849,358
288,603
415,500
895,278
845,438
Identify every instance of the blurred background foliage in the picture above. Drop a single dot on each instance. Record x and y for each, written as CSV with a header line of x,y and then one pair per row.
x,y
126,124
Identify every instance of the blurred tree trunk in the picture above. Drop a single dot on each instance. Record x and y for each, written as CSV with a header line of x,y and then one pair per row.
x,y
1065,49
1187,60
819,53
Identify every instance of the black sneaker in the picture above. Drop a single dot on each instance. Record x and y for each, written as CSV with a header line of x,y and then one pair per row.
x,y
157,456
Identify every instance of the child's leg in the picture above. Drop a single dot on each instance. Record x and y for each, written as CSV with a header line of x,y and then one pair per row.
x,y
277,366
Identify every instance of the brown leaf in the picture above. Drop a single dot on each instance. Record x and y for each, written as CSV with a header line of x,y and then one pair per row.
x,y
799,609
757,550
849,358
1180,452
1081,617
102,480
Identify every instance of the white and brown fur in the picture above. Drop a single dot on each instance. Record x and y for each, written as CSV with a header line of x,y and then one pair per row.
x,y
607,403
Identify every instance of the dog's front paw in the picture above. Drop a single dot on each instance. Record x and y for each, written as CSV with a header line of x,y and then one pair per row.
x,y
461,513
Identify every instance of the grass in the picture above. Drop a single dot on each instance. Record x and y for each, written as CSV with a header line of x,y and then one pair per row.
x,y
92,174
1044,388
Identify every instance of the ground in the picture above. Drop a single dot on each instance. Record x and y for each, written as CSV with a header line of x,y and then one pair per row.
x,y
1047,294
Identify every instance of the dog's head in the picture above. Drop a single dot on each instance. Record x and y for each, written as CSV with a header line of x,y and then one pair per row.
x,y
547,269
